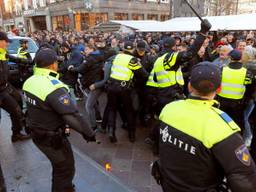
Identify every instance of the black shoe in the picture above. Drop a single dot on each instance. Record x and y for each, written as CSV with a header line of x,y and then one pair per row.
x,y
20,137
132,137
112,138
112,135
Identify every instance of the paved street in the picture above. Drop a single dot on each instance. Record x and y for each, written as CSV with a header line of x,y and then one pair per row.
x,y
27,170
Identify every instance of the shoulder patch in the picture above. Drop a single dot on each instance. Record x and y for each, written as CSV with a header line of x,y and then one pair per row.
x,y
64,99
243,155
226,117
229,121
55,82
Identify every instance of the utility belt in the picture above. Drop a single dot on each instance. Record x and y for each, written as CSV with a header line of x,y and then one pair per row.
x,y
123,84
156,173
174,92
50,138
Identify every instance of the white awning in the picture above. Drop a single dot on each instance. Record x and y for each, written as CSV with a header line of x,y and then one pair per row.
x,y
182,24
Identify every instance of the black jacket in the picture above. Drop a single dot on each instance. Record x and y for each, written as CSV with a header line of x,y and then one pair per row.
x,y
146,60
91,69
187,165
67,76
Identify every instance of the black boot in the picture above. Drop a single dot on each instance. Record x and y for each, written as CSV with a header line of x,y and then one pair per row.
x,y
112,135
19,137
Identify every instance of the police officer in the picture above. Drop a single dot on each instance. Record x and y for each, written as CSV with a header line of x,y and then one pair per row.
x,y
147,61
25,71
23,50
125,68
50,109
166,75
201,144
235,78
7,101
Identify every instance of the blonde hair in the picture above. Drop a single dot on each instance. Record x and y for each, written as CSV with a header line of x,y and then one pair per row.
x,y
249,55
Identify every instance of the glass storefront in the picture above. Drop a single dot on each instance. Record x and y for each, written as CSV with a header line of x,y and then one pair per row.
x,y
61,22
40,22
152,17
84,21
164,17
136,16
120,16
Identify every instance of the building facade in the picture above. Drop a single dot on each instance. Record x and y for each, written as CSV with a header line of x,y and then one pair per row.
x,y
222,7
81,14
246,6
181,9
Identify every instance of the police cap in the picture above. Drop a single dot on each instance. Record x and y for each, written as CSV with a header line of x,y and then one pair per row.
x,y
169,42
141,45
235,55
45,57
205,77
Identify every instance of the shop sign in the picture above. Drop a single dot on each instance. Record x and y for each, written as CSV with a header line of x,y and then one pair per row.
x,y
33,12
29,12
88,5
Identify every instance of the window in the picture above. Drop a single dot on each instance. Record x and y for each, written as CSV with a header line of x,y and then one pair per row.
x,y
121,16
152,17
136,16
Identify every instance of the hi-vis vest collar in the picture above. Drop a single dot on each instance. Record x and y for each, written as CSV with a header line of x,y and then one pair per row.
x,y
46,72
43,83
21,53
200,101
2,54
200,120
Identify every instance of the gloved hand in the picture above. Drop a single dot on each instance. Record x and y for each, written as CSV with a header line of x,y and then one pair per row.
x,y
155,172
89,138
205,26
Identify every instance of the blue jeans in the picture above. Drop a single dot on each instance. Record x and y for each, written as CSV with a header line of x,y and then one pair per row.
x,y
247,134
90,104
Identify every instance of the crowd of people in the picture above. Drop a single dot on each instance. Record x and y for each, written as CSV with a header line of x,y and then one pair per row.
x,y
141,73
85,54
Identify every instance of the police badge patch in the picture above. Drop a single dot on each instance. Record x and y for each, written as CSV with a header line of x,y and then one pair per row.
x,y
64,99
243,155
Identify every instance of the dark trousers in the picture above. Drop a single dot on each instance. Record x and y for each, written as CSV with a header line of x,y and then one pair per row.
x,y
15,94
150,102
105,119
117,96
2,183
62,161
9,104
235,109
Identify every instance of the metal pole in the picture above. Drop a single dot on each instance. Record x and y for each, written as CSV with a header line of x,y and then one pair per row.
x,y
237,4
194,11
171,12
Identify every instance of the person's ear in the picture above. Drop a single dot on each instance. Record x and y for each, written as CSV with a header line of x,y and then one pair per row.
x,y
218,90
